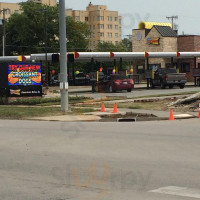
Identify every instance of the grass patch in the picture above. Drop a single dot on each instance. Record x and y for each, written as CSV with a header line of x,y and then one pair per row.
x,y
82,110
13,112
39,101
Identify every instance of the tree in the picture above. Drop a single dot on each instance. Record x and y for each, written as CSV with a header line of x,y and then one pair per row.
x,y
127,43
77,35
26,31
107,46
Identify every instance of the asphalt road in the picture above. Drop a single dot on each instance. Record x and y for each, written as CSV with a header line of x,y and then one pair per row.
x,y
140,92
103,161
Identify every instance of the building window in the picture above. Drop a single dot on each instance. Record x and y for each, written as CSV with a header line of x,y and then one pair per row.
x,y
109,18
101,34
154,66
100,26
116,27
16,11
77,18
109,26
7,12
93,27
185,67
93,43
86,19
116,19
100,18
116,42
100,41
93,35
140,69
109,35
116,35
198,65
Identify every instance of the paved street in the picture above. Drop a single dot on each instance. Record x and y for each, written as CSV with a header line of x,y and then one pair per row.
x,y
105,161
140,92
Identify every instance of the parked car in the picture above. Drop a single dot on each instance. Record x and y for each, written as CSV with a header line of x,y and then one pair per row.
x,y
55,80
114,82
168,77
93,76
80,79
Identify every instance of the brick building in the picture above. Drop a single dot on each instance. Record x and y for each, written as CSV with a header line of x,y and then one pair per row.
x,y
188,43
12,8
153,37
159,37
105,25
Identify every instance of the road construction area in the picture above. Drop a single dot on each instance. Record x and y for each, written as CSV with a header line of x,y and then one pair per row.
x,y
139,105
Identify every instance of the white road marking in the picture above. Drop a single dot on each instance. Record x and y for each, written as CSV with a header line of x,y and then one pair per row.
x,y
178,191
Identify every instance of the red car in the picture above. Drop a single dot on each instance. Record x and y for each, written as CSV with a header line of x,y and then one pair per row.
x,y
113,83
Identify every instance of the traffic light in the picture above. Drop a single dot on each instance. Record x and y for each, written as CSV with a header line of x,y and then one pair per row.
x,y
55,57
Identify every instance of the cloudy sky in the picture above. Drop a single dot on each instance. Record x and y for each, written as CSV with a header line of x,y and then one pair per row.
x,y
134,11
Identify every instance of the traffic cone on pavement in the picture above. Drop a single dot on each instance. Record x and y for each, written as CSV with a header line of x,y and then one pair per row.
x,y
103,107
171,116
115,108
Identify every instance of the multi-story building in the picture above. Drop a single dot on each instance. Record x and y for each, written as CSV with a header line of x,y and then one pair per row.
x,y
105,25
10,8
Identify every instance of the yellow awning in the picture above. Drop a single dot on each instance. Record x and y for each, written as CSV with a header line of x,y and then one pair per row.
x,y
149,25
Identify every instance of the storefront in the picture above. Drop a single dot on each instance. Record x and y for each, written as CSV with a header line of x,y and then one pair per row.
x,y
159,37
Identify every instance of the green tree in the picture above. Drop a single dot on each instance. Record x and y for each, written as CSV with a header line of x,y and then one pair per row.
x,y
107,46
77,35
26,31
127,43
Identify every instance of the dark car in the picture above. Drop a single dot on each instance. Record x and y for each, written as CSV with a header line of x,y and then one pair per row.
x,y
55,80
80,79
114,82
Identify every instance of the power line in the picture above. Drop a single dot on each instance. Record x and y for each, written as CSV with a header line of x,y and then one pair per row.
x,y
172,18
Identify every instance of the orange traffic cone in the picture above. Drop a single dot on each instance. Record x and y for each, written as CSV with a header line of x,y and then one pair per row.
x,y
115,108
103,107
171,116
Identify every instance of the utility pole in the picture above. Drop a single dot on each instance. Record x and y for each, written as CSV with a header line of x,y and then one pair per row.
x,y
4,29
44,10
46,64
63,57
172,18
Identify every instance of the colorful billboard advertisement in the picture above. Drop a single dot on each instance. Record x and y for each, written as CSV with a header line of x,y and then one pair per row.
x,y
24,74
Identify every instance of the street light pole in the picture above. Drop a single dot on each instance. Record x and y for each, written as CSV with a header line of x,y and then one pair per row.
x,y
46,63
4,29
63,57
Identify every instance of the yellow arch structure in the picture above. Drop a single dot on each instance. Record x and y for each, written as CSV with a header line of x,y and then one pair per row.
x,y
149,25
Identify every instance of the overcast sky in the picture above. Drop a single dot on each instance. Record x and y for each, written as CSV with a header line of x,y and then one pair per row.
x,y
134,11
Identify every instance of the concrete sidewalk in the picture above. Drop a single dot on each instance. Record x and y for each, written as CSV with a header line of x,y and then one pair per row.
x,y
96,116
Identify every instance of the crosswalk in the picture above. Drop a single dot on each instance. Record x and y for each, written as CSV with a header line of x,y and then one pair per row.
x,y
178,191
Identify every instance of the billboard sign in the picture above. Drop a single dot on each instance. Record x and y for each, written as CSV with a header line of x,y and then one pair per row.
x,y
24,74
